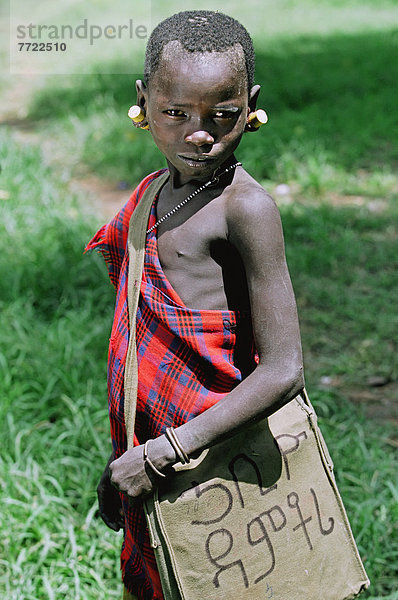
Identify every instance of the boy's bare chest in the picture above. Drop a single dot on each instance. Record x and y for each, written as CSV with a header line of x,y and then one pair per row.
x,y
197,259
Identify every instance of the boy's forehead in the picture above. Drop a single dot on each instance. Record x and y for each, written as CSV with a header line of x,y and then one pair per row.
x,y
177,64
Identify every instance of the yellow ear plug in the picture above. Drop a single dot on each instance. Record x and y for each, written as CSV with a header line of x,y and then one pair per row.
x,y
137,115
257,118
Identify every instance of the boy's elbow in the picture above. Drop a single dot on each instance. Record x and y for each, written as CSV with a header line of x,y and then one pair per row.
x,y
296,381
287,383
290,383
293,382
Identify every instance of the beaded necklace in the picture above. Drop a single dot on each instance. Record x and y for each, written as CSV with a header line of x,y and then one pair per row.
x,y
195,193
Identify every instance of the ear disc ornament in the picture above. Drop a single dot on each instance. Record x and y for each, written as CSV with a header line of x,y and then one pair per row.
x,y
257,118
137,115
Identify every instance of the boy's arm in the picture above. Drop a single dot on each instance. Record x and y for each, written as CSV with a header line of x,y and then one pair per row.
x,y
254,228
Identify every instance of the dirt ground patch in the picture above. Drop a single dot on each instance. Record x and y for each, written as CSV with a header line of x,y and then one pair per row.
x,y
106,197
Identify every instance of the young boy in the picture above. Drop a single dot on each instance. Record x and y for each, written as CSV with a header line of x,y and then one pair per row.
x,y
218,339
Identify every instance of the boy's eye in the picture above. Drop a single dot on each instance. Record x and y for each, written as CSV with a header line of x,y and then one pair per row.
x,y
174,112
224,114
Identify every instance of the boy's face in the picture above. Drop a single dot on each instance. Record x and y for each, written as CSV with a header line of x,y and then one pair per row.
x,y
196,106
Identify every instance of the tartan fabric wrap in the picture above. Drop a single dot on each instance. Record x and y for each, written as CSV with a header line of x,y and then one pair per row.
x,y
185,365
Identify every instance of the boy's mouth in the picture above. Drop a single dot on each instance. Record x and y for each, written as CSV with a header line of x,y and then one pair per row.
x,y
196,160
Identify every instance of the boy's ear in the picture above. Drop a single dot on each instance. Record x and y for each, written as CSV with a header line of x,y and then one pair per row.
x,y
141,93
251,109
253,97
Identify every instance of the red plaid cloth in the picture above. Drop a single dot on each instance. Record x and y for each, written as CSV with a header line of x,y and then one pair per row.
x,y
185,365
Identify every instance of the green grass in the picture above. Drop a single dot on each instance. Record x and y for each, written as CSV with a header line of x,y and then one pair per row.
x,y
343,264
55,311
55,318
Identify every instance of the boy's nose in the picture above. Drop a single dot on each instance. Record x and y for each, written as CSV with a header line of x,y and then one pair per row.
x,y
200,138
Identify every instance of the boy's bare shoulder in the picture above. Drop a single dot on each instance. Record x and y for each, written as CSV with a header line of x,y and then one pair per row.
x,y
250,207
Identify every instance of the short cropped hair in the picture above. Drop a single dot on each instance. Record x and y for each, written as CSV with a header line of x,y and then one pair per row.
x,y
199,31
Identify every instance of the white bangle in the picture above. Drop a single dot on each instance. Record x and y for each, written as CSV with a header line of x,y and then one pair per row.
x,y
147,461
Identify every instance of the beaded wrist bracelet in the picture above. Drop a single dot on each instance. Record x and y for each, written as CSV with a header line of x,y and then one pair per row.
x,y
172,438
147,461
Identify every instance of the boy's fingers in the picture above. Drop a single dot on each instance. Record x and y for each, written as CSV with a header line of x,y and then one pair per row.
x,y
113,524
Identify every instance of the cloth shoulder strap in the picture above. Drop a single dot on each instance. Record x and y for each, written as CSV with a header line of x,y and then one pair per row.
x,y
136,248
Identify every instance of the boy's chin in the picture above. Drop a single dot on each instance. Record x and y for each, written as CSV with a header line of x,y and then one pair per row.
x,y
189,169
197,171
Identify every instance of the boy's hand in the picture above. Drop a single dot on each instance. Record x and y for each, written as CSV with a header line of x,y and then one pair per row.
x,y
130,474
110,506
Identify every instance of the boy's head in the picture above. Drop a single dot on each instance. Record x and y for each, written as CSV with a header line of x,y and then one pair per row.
x,y
200,31
198,93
